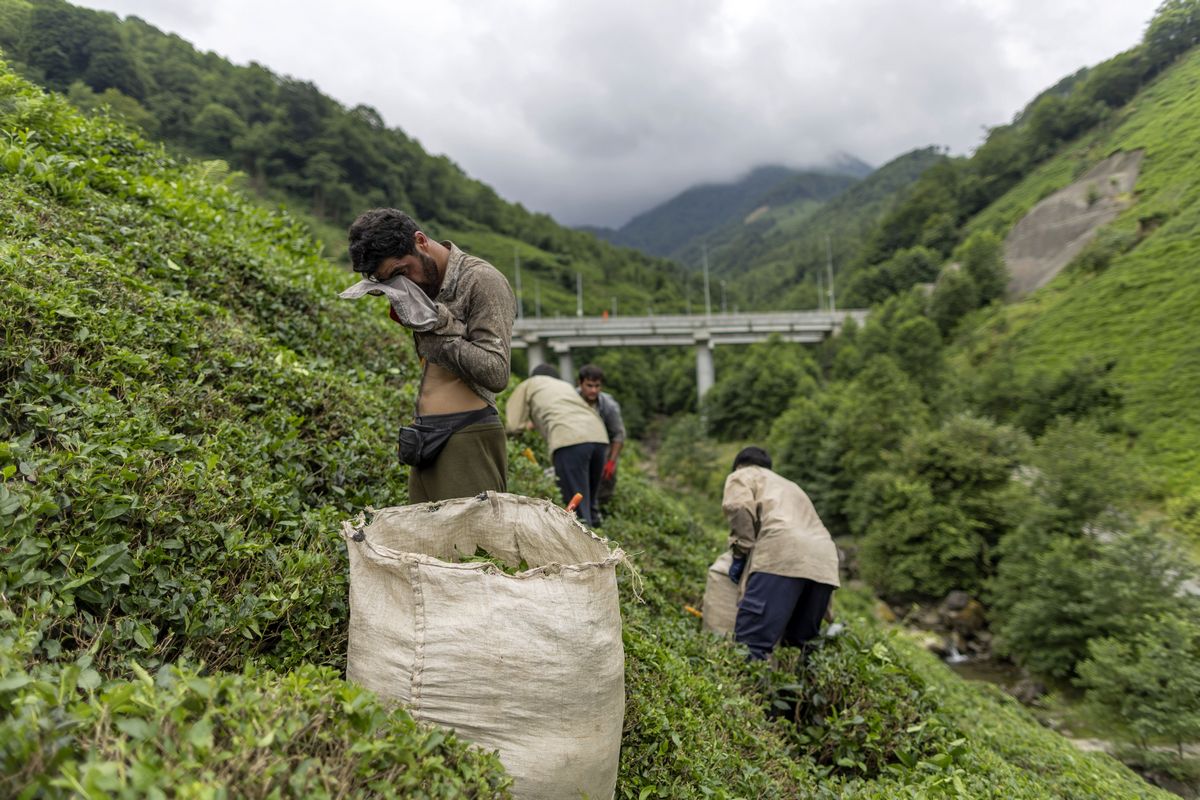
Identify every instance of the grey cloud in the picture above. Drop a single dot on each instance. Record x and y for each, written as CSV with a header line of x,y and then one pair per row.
x,y
594,110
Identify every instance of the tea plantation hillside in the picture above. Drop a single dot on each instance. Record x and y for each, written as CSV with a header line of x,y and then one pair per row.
x,y
1132,297
187,413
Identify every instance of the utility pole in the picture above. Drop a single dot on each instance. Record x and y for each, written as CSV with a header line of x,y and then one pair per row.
x,y
707,297
723,297
614,305
820,292
520,299
578,293
537,291
829,266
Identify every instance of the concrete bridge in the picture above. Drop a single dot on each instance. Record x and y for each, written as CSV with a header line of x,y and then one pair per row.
x,y
702,331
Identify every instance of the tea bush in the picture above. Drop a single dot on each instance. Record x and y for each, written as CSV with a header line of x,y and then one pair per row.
x,y
66,730
858,708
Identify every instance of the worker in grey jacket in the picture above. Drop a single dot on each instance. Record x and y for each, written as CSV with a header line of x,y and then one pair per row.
x,y
461,310
590,388
782,555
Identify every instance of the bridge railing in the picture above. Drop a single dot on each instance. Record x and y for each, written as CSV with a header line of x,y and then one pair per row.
x,y
685,326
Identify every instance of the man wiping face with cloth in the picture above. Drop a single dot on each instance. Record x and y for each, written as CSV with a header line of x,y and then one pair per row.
x,y
461,310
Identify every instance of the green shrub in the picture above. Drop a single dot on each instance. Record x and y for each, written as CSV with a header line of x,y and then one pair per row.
x,y
982,258
1110,243
1184,514
933,518
857,707
877,410
955,296
755,389
687,457
1052,596
1080,477
801,448
66,731
1148,683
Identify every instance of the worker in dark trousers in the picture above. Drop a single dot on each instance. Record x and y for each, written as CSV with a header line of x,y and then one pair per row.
x,y
783,556
590,388
574,433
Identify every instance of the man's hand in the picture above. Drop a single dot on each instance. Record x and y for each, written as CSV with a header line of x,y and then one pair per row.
x,y
610,470
737,568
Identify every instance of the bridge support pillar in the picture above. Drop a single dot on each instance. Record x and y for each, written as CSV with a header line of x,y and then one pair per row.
x,y
536,353
705,372
566,368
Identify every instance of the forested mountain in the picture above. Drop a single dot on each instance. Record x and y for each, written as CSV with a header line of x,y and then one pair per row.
x,y
778,258
294,143
674,228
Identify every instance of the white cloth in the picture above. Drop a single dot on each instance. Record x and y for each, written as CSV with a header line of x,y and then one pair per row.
x,y
412,306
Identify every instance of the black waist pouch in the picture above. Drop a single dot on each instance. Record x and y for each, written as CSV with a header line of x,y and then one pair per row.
x,y
421,442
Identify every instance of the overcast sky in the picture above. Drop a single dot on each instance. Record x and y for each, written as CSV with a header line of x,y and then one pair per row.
x,y
595,110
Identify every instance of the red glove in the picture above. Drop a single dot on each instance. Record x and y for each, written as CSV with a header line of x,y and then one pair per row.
x,y
610,470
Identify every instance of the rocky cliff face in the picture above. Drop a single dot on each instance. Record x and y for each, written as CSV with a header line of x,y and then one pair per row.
x,y
1059,227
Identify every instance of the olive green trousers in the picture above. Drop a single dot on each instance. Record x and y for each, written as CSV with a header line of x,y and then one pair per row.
x,y
474,460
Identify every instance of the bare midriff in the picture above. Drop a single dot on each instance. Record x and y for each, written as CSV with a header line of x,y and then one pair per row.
x,y
443,392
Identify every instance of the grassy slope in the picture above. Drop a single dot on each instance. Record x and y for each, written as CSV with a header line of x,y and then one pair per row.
x,y
187,414
1142,311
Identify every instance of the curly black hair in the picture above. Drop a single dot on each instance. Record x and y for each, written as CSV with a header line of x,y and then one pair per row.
x,y
379,234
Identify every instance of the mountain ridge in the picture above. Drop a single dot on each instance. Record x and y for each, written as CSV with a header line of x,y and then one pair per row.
x,y
666,229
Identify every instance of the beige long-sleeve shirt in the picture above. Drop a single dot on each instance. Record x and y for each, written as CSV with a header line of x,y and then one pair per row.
x,y
556,410
467,353
773,520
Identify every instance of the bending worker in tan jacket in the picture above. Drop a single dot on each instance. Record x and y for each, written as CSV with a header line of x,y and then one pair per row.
x,y
788,556
574,433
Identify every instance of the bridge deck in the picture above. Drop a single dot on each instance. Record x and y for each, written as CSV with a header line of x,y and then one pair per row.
x,y
803,326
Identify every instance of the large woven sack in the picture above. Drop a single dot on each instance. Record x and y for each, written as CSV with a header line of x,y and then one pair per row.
x,y
530,664
720,597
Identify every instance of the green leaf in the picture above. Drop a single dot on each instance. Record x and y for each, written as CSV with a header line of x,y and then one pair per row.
x,y
141,674
89,679
200,734
144,636
14,682
135,728
941,760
